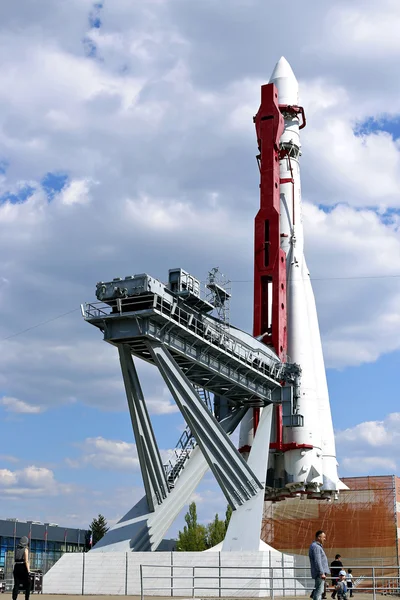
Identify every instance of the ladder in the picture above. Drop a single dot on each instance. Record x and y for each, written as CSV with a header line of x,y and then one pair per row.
x,y
185,445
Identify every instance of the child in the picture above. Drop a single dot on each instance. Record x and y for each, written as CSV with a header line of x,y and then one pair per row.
x,y
341,586
349,580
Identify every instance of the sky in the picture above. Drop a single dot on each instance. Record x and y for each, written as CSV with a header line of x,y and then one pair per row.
x,y
127,146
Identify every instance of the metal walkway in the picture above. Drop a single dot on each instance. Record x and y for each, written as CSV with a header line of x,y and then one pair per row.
x,y
211,357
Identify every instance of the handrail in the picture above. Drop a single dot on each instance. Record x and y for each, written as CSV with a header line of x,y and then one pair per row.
x,y
276,581
184,445
207,331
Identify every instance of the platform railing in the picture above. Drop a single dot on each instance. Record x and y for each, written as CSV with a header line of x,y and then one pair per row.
x,y
207,331
274,581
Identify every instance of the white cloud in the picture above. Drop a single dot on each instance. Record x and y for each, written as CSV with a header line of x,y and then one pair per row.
x,y
14,405
115,455
31,481
356,283
370,446
86,370
373,433
7,477
77,192
106,454
161,407
369,464
160,402
357,31
362,170
77,366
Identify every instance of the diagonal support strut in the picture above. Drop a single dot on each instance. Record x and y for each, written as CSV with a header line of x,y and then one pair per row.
x,y
243,534
236,479
154,480
141,530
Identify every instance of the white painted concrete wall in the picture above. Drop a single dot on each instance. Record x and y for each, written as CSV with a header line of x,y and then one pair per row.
x,y
67,574
119,573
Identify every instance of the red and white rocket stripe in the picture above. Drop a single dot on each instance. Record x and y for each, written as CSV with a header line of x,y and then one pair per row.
x,y
303,459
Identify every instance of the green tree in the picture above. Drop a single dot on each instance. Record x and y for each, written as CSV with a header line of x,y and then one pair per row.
x,y
193,537
99,528
215,532
228,515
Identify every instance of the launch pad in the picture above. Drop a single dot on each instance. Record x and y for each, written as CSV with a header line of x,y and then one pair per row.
x,y
172,327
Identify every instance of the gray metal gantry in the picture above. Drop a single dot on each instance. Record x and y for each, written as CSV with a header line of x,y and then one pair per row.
x,y
171,327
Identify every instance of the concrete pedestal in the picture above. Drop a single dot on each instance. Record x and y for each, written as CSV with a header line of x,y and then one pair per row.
x,y
187,574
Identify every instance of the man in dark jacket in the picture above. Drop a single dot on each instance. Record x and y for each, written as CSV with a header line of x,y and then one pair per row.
x,y
336,567
318,563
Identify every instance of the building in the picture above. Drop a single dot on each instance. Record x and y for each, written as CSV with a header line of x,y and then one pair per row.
x,y
363,525
48,542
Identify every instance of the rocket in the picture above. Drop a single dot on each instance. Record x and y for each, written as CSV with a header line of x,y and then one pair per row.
x,y
302,454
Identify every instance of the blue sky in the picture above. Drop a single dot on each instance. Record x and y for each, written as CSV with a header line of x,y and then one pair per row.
x,y
371,125
127,146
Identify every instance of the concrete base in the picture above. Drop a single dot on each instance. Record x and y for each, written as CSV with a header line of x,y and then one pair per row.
x,y
263,547
142,531
187,574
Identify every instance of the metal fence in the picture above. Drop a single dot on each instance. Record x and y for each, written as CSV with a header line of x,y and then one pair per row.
x,y
268,581
39,562
281,576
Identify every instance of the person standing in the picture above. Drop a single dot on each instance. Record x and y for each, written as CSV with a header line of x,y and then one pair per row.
x,y
350,582
336,567
21,569
318,564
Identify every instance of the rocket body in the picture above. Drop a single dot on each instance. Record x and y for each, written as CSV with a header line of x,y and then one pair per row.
x,y
303,457
302,465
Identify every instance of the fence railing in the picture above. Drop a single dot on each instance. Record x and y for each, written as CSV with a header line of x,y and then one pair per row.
x,y
215,574
268,581
39,562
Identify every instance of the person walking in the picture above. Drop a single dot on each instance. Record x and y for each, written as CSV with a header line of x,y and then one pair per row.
x,y
318,564
336,567
324,594
341,586
21,569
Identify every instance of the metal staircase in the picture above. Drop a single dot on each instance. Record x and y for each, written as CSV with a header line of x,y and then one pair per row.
x,y
184,446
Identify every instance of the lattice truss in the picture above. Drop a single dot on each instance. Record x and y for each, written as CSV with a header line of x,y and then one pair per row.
x,y
362,525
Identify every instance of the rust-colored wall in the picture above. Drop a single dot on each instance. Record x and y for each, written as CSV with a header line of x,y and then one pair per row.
x,y
362,523
397,481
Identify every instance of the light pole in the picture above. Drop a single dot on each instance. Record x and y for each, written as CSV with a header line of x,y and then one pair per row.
x,y
15,532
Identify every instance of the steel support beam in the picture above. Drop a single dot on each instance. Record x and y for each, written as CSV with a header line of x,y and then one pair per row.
x,y
141,530
244,530
154,480
248,374
235,477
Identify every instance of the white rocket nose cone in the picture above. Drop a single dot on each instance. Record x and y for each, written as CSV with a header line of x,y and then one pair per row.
x,y
286,82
